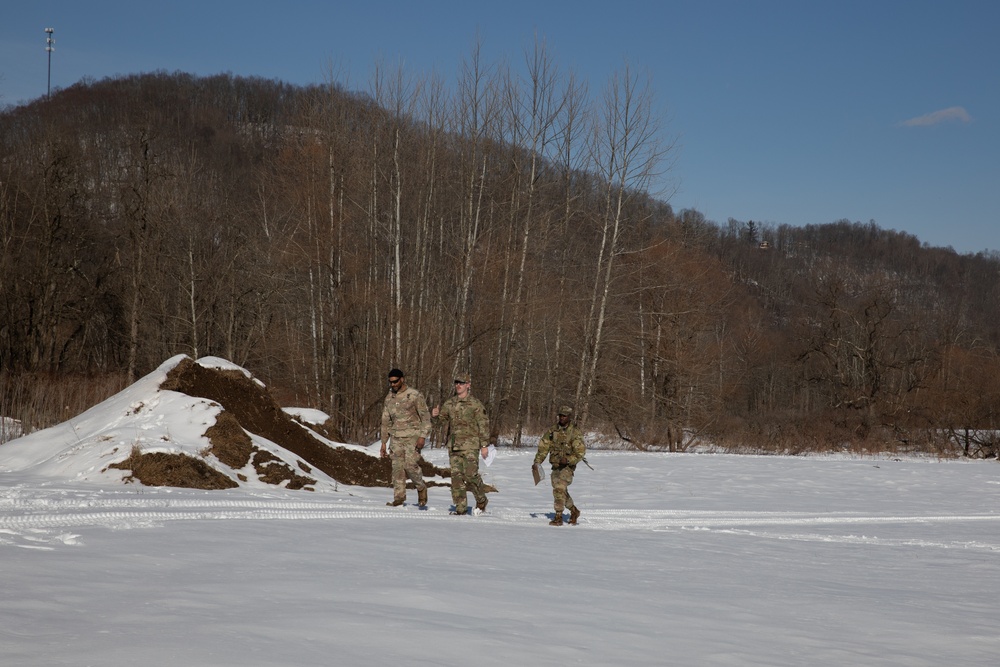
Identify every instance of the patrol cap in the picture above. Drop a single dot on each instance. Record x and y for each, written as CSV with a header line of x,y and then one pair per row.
x,y
463,377
566,410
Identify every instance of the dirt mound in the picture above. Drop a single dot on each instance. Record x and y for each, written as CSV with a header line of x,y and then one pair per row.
x,y
232,446
162,469
230,443
249,408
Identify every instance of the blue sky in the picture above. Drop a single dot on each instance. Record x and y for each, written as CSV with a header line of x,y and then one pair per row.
x,y
784,112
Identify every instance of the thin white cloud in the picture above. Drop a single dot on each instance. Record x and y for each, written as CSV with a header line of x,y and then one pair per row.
x,y
943,116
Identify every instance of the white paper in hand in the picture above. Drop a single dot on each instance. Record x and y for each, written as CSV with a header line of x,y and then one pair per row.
x,y
491,453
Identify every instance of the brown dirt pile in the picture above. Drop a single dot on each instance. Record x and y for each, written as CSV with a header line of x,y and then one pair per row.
x,y
162,469
249,407
230,443
233,447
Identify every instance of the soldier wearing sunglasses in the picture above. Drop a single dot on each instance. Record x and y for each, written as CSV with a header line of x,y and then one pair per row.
x,y
407,422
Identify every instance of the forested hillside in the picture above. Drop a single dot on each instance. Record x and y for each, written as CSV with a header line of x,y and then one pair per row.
x,y
503,226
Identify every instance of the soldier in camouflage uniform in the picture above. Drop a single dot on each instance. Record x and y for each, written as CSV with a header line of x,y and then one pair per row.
x,y
563,444
405,419
468,439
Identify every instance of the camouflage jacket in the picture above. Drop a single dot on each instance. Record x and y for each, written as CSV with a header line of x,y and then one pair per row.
x,y
405,415
563,445
468,425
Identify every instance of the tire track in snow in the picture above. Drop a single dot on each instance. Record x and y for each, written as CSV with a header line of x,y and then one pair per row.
x,y
27,519
146,517
710,519
150,503
869,540
33,512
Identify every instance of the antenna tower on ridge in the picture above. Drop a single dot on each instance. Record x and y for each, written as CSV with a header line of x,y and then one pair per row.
x,y
49,48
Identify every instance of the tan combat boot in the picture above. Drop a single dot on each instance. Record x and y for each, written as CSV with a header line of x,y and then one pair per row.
x,y
556,521
574,514
422,497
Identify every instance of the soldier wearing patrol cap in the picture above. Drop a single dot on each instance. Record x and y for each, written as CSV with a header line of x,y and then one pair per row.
x,y
468,440
563,445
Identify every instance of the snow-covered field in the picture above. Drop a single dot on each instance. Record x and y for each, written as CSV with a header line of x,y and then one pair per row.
x,y
679,560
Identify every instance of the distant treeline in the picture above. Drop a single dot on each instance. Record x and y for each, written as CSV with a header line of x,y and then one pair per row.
x,y
502,225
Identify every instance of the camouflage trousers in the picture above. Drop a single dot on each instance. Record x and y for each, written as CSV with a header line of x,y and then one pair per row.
x,y
405,463
464,478
561,478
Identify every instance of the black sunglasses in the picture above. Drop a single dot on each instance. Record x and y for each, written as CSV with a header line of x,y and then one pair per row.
x,y
461,382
